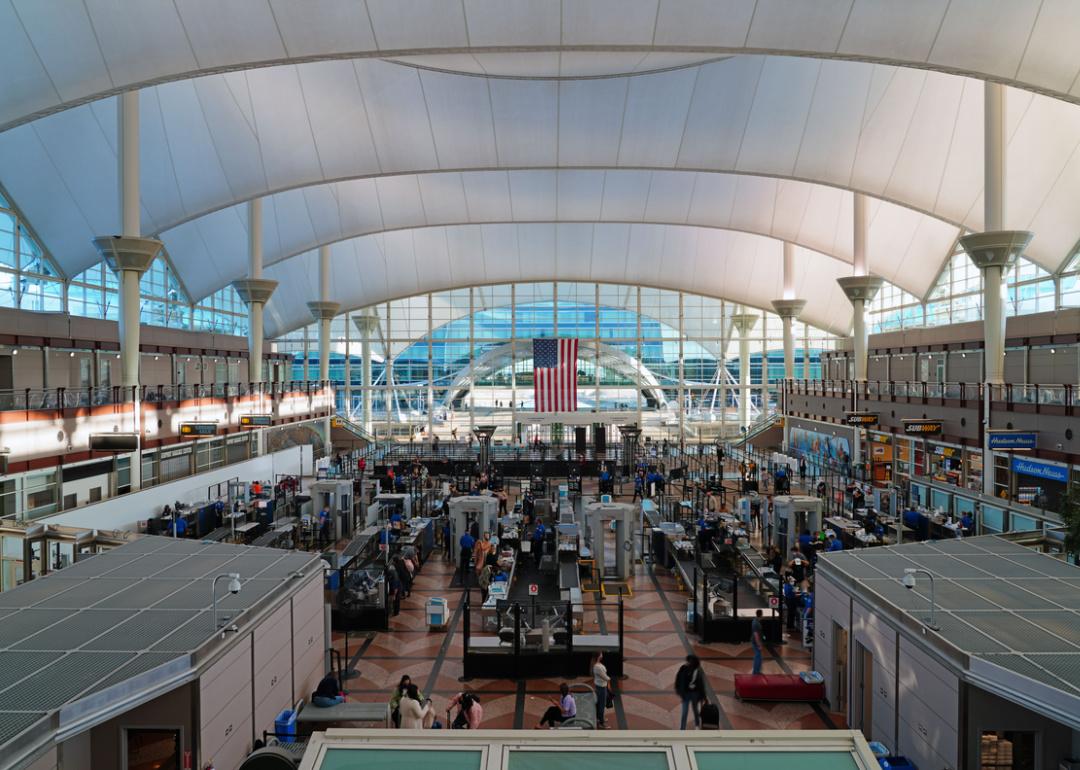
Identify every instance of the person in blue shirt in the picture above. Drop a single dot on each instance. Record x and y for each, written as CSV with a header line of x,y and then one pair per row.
x,y
834,542
395,519
178,526
791,603
467,543
448,540
538,541
967,523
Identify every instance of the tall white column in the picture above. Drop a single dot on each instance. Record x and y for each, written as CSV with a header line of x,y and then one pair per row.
x,y
255,290
129,255
993,251
324,311
744,323
365,323
860,288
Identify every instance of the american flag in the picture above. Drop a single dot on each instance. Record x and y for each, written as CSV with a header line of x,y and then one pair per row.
x,y
555,375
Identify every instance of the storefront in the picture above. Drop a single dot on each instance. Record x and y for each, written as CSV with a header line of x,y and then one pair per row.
x,y
946,463
1038,483
880,451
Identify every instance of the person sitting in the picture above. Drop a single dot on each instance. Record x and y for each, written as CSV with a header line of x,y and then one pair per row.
x,y
834,542
416,712
557,713
470,712
328,693
395,698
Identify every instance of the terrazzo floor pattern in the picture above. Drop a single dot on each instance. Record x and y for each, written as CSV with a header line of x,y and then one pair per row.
x,y
655,647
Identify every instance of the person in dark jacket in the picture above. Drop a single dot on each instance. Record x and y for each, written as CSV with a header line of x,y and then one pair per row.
x,y
690,687
328,693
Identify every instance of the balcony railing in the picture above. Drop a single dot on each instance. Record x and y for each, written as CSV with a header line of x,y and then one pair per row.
x,y
45,399
1065,396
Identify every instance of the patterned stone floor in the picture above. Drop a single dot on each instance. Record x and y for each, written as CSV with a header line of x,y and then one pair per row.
x,y
655,647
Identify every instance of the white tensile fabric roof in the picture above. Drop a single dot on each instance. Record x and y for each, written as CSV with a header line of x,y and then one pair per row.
x,y
671,143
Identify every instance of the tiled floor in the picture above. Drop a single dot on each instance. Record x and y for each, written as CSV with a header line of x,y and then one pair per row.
x,y
655,647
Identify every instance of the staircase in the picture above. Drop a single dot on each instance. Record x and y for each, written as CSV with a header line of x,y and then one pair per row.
x,y
759,429
356,432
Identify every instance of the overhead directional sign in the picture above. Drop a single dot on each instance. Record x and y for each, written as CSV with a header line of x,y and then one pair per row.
x,y
192,429
861,419
1012,440
922,427
256,420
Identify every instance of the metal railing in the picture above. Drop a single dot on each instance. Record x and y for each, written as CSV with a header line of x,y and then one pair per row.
x,y
71,398
1060,395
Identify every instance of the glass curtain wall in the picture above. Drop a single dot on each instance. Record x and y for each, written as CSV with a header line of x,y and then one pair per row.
x,y
452,360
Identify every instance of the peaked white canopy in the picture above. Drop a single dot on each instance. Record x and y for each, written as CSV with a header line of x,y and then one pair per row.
x,y
408,115
58,54
741,267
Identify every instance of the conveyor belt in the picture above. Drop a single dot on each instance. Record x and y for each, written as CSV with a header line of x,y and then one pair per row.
x,y
527,574
569,574
219,535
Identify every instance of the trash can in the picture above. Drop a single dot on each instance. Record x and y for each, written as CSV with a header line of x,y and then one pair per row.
x,y
285,726
438,613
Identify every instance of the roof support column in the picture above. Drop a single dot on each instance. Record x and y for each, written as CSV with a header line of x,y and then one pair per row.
x,y
744,323
129,255
365,324
324,312
255,291
860,288
788,309
993,251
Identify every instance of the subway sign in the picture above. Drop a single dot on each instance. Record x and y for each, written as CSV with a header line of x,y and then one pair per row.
x,y
861,419
191,429
1012,440
922,427
256,420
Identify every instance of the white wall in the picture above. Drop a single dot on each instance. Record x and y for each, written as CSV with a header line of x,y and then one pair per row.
x,y
124,513
925,696
929,704
879,639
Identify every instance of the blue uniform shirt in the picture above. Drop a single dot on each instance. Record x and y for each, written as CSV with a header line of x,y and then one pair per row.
x,y
835,544
467,541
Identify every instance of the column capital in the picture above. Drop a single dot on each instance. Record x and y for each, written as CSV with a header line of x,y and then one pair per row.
x,y
121,252
997,248
324,311
744,322
254,289
860,288
788,308
365,322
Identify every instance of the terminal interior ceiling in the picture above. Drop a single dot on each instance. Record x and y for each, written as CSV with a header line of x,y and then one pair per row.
x,y
280,285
